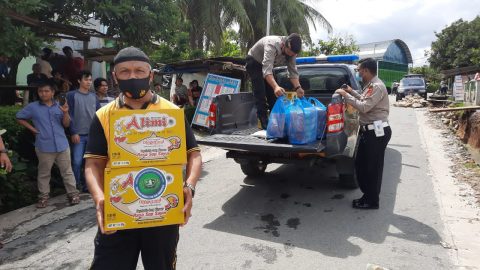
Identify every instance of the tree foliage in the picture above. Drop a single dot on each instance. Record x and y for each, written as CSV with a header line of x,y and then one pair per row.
x,y
457,45
287,16
17,41
230,45
138,23
210,18
335,45
159,26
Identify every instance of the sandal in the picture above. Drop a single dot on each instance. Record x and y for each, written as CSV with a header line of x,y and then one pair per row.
x,y
74,199
42,202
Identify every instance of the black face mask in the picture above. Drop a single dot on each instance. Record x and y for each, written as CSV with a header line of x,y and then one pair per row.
x,y
134,88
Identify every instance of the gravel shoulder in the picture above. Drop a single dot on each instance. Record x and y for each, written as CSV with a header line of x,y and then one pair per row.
x,y
455,179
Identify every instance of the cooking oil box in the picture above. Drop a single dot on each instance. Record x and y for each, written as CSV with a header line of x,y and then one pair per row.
x,y
139,138
142,197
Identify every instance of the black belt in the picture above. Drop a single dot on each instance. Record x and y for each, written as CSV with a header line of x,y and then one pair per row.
x,y
371,127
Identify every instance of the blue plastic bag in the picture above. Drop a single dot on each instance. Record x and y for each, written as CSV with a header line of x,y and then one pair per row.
x,y
322,116
301,120
276,127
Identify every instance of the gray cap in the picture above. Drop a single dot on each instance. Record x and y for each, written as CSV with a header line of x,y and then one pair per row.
x,y
130,54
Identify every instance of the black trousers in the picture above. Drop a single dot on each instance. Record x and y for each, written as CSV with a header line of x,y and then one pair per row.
x,y
157,245
369,163
263,92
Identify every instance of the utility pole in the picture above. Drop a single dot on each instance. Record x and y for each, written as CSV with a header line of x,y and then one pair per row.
x,y
268,16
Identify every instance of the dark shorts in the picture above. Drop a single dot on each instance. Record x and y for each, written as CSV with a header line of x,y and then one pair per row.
x,y
157,246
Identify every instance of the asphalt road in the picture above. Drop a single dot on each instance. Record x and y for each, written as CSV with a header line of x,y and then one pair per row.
x,y
292,218
299,218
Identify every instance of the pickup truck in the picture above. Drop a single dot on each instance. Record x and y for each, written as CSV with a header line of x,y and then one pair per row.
x,y
233,120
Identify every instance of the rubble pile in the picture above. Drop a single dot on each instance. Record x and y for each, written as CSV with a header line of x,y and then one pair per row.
x,y
450,119
415,101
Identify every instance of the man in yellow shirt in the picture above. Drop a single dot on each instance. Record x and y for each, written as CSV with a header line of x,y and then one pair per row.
x,y
157,245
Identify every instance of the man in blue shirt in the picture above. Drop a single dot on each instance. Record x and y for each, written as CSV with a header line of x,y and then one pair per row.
x,y
82,105
51,145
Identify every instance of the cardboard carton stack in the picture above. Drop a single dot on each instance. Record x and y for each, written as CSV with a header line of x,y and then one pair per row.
x,y
143,180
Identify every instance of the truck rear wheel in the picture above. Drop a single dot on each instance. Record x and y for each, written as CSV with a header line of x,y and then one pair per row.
x,y
253,168
347,174
348,180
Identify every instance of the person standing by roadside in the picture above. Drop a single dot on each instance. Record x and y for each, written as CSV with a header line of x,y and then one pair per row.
x,y
45,66
157,245
101,89
4,161
51,145
268,52
443,88
395,85
82,105
61,85
57,61
194,93
73,66
180,97
35,79
375,132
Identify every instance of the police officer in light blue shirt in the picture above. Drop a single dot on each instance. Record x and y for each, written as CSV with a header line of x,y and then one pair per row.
x,y
268,52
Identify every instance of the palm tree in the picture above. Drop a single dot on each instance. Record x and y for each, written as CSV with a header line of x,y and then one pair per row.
x,y
210,18
287,16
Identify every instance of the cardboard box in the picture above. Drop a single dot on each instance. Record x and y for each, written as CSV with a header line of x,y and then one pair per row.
x,y
146,138
143,197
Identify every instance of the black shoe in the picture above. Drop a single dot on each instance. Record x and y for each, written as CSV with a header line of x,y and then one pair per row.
x,y
365,205
356,201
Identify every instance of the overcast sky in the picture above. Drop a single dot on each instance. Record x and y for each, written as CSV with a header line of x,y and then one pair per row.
x,y
413,21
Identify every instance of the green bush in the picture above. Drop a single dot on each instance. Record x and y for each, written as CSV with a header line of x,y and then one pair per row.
x,y
17,137
19,187
432,87
8,122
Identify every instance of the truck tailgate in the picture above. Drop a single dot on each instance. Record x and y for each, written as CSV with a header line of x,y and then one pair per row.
x,y
254,144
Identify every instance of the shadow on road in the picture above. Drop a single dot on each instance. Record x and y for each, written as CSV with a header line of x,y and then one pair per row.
x,y
304,207
41,239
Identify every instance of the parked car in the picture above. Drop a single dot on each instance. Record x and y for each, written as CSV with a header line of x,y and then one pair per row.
x,y
412,84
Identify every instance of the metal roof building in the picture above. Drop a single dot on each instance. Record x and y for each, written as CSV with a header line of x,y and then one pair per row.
x,y
394,51
392,56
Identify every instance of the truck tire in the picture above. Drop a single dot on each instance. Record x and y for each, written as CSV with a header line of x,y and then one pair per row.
x,y
253,168
348,181
347,175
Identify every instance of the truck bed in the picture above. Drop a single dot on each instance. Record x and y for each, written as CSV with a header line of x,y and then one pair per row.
x,y
244,141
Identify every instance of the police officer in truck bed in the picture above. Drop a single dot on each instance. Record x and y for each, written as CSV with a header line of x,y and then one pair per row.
x,y
268,52
375,132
